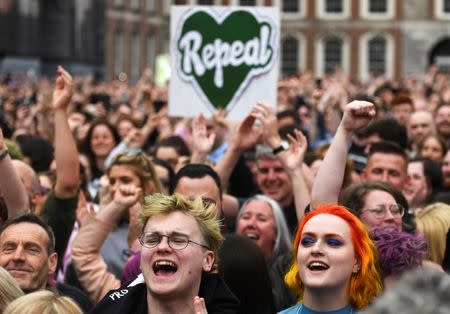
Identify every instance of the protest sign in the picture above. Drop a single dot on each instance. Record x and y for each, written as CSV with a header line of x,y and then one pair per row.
x,y
162,70
223,57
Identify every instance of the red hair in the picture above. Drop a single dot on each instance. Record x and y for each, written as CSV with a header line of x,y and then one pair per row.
x,y
366,283
402,98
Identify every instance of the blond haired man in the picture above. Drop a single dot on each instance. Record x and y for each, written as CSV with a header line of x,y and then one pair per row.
x,y
180,240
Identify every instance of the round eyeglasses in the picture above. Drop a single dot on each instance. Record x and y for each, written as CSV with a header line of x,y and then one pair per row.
x,y
380,211
175,241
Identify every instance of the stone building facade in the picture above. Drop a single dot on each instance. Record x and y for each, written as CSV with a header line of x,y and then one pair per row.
x,y
37,35
108,37
361,37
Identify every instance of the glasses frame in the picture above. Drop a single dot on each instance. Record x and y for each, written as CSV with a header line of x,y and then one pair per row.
x,y
386,208
161,236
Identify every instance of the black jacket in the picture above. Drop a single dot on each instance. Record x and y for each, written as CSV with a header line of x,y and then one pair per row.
x,y
133,298
74,293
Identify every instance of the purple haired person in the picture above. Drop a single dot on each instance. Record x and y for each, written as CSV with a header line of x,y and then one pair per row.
x,y
398,251
132,269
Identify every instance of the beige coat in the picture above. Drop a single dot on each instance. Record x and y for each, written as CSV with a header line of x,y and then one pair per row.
x,y
89,264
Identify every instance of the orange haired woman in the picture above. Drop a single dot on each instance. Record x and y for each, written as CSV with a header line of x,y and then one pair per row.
x,y
334,267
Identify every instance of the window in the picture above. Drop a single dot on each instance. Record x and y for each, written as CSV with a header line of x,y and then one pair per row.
x,y
442,9
289,55
332,54
134,4
446,8
166,7
377,55
440,54
334,6
151,5
247,2
203,2
118,52
291,6
377,6
135,56
377,9
292,9
250,3
151,51
333,9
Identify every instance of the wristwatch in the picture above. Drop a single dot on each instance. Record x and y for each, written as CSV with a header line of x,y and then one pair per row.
x,y
283,146
3,153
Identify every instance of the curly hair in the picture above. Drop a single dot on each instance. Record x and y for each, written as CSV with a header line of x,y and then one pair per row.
x,y
364,285
398,251
204,214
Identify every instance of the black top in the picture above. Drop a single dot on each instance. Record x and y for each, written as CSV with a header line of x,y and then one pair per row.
x,y
76,294
133,298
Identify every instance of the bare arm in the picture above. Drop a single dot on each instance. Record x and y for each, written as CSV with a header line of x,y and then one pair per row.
x,y
66,154
292,159
230,208
132,143
246,136
89,264
201,143
308,176
11,186
328,182
126,195
45,125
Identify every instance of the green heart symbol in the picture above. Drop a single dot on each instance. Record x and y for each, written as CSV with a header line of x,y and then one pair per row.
x,y
220,55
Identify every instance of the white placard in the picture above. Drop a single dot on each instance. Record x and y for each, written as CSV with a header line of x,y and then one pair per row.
x,y
223,56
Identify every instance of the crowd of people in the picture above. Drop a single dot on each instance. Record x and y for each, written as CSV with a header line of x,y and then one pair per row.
x,y
333,200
